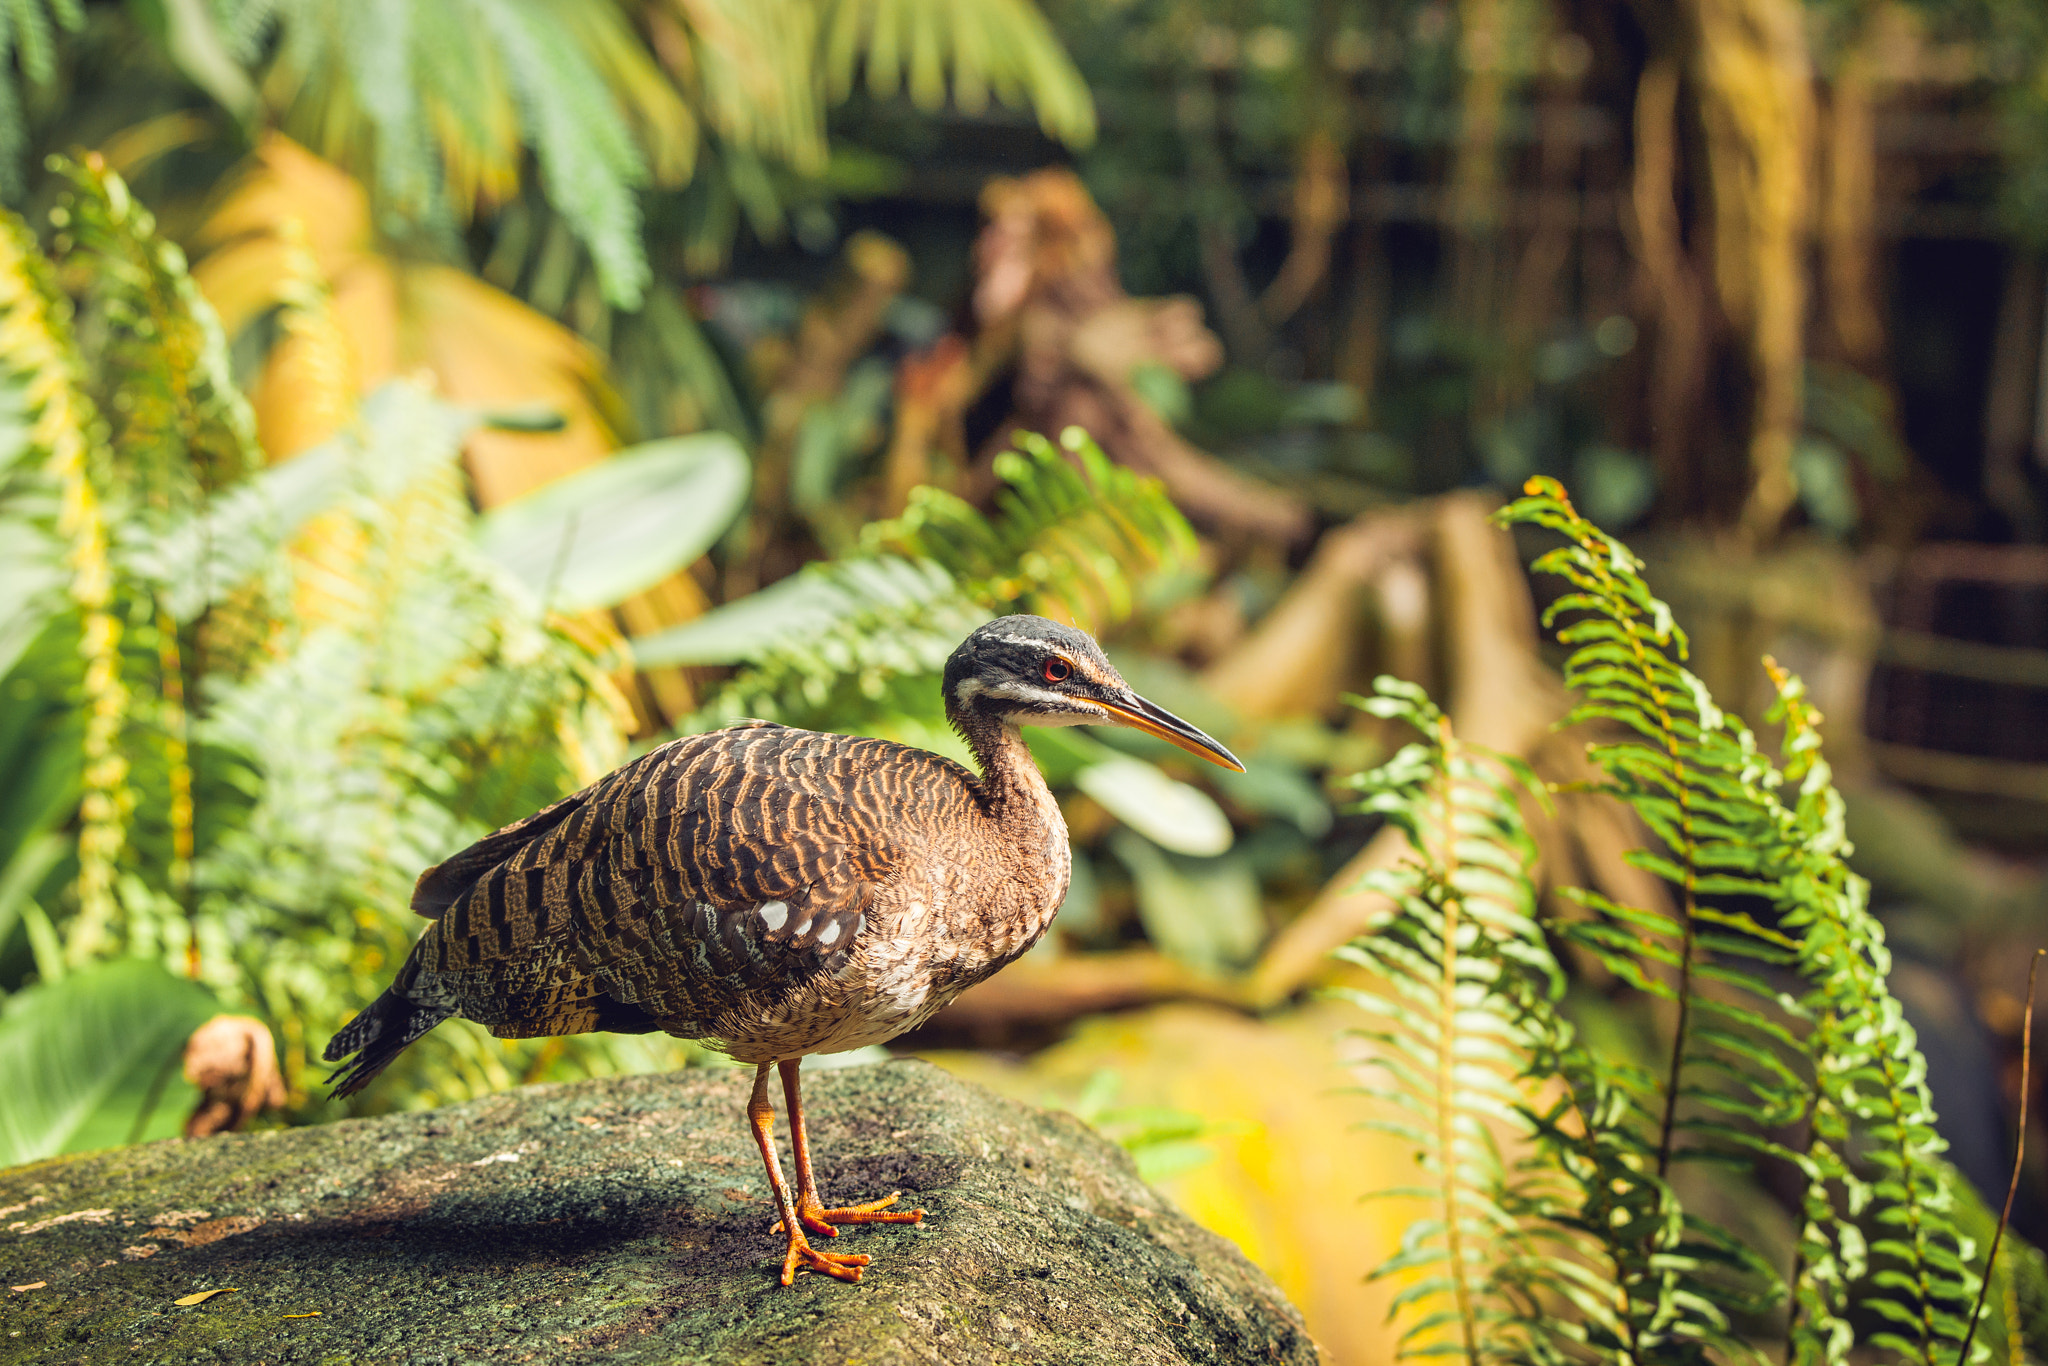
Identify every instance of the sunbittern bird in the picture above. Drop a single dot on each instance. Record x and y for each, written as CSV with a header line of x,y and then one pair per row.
x,y
775,892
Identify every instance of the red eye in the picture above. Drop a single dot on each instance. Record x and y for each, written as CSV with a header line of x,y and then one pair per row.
x,y
1057,670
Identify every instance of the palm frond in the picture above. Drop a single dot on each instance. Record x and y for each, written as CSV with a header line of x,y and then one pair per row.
x,y
424,95
1004,47
748,68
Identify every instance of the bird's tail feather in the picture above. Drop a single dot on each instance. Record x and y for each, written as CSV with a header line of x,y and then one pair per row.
x,y
379,1033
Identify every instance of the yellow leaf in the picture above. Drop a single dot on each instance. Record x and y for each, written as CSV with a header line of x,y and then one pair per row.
x,y
187,1301
284,180
489,349
296,231
483,346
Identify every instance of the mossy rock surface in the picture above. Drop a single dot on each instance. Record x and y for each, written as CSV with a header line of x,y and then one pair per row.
x,y
626,1220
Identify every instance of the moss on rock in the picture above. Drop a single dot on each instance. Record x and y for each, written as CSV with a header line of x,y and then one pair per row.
x,y
625,1220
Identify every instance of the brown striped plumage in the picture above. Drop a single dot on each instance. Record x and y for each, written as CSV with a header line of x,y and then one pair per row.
x,y
777,892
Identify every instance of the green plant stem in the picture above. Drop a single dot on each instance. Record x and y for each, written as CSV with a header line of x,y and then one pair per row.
x,y
1668,1125
2019,1156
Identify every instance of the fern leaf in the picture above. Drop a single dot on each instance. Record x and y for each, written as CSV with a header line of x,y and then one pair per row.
x,y
27,42
870,632
1462,1014
1745,1061
39,353
181,426
1870,1078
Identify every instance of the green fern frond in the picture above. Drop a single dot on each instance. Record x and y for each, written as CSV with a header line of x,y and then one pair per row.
x,y
1747,1059
1466,1011
1072,539
1787,1044
180,426
399,699
1073,535
27,44
40,355
841,640
420,706
1736,1068
1871,1080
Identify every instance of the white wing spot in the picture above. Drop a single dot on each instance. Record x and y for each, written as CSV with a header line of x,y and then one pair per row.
x,y
775,914
829,935
801,930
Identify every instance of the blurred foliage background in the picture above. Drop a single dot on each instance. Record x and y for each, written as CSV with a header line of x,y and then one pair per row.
x,y
409,410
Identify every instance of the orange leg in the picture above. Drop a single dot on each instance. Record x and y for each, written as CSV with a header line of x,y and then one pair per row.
x,y
809,1208
761,1114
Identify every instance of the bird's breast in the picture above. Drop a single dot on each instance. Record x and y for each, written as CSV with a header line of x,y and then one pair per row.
x,y
958,920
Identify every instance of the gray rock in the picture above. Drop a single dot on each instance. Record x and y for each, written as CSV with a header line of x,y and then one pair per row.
x,y
626,1220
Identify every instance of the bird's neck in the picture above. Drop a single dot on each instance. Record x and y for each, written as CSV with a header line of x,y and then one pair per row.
x,y
1011,784
1022,807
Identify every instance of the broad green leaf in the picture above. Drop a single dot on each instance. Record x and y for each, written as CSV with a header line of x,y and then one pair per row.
x,y
1277,790
80,1058
21,873
1203,912
605,533
1171,814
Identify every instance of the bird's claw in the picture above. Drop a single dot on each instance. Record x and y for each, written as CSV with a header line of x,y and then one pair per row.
x,y
813,1215
844,1266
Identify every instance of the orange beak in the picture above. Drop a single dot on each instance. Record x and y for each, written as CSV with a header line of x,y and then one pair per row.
x,y
1135,712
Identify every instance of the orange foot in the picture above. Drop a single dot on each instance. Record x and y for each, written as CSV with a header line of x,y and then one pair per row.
x,y
841,1266
814,1216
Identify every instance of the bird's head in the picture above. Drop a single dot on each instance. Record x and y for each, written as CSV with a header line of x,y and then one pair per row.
x,y
1028,671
